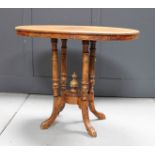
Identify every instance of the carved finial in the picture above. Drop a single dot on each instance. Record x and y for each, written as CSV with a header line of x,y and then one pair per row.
x,y
74,83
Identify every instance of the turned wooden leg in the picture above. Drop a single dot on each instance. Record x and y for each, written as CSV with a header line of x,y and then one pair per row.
x,y
63,68
92,80
63,65
58,104
84,89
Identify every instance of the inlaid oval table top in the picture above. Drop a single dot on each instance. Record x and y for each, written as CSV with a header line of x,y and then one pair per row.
x,y
77,32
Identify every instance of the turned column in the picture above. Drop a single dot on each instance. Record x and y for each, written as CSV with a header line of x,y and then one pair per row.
x,y
85,70
55,74
63,65
92,66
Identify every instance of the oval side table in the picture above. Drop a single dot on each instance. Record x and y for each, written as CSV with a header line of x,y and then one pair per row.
x,y
83,96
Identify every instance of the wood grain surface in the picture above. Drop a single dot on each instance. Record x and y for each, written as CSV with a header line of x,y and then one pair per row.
x,y
77,32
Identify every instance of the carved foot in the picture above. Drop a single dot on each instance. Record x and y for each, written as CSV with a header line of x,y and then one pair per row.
x,y
45,124
58,104
99,115
91,131
84,107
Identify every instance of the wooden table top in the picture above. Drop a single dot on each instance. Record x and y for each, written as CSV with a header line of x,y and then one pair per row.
x,y
77,32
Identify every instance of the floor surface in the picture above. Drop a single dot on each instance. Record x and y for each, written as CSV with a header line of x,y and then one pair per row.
x,y
130,121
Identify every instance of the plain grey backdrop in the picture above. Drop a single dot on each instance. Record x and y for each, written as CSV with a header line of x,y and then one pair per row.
x,y
124,69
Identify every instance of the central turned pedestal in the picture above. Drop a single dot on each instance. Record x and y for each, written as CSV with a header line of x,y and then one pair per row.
x,y
82,96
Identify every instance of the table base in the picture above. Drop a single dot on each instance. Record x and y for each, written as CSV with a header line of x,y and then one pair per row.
x,y
83,97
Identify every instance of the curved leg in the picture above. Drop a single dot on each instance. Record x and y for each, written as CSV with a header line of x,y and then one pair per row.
x,y
99,115
62,104
62,108
84,89
92,58
58,104
84,107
